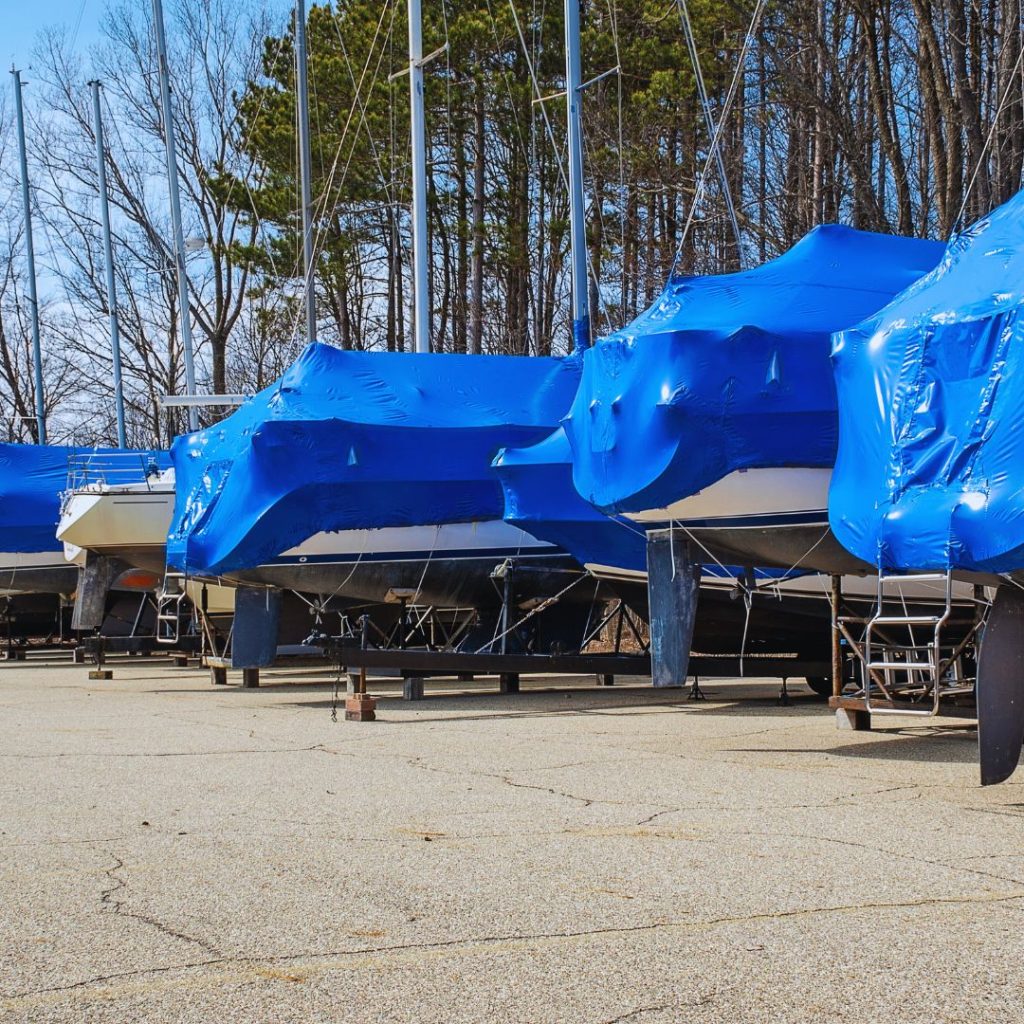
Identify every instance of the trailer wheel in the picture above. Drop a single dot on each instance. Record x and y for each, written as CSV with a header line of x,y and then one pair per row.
x,y
821,685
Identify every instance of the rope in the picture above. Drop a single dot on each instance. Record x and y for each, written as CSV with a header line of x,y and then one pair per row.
x,y
988,141
543,606
702,92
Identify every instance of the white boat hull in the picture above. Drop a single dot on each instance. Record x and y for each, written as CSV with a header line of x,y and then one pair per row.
x,y
43,572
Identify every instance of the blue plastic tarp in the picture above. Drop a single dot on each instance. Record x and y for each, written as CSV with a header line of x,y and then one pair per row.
x,y
541,499
930,471
358,440
730,372
32,478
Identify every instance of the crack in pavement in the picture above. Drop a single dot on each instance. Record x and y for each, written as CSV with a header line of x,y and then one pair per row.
x,y
184,753
109,900
633,1014
915,857
690,1004
418,762
371,957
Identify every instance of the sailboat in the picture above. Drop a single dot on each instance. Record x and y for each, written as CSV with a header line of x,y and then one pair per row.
x,y
366,477
929,476
117,507
714,412
715,409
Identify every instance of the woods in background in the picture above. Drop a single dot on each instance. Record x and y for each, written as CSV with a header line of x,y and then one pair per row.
x,y
904,116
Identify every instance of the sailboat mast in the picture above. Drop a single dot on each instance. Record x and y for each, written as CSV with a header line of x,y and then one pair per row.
x,y
420,261
175,205
33,298
108,259
577,229
305,166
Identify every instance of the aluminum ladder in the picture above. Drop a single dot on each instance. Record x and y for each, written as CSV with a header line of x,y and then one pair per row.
x,y
168,608
918,665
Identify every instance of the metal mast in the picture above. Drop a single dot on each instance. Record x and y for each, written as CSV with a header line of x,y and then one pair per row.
x,y
305,166
33,298
577,229
175,204
420,256
108,258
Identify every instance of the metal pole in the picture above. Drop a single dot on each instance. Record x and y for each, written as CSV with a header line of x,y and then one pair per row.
x,y
837,649
175,204
305,166
33,298
577,229
420,262
108,256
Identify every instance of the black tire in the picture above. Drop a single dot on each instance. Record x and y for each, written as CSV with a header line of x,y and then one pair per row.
x,y
821,685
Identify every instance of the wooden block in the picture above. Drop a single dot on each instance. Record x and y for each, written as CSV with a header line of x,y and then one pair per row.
x,y
360,708
219,675
250,678
508,682
101,673
852,719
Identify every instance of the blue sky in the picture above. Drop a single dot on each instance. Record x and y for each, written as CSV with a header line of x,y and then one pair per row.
x,y
23,20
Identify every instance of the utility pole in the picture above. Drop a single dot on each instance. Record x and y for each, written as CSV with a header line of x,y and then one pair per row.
x,y
33,297
305,167
577,228
420,256
108,258
175,204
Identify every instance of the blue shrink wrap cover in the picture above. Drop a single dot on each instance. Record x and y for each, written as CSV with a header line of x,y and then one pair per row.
x,y
32,478
358,440
930,470
540,498
731,371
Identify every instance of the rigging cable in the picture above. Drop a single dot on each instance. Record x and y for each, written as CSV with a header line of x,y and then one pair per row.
x,y
709,120
717,137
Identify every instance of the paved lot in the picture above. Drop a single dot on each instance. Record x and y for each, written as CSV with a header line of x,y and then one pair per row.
x,y
172,852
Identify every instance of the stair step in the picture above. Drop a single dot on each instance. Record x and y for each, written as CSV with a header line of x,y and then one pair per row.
x,y
916,577
906,620
919,666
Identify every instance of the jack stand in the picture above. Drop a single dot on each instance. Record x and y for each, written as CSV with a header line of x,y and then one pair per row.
x,y
696,693
508,682
99,672
783,700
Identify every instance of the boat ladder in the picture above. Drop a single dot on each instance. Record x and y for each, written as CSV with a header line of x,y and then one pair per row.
x,y
169,607
906,658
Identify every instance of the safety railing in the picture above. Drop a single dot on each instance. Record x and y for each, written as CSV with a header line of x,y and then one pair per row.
x,y
115,469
